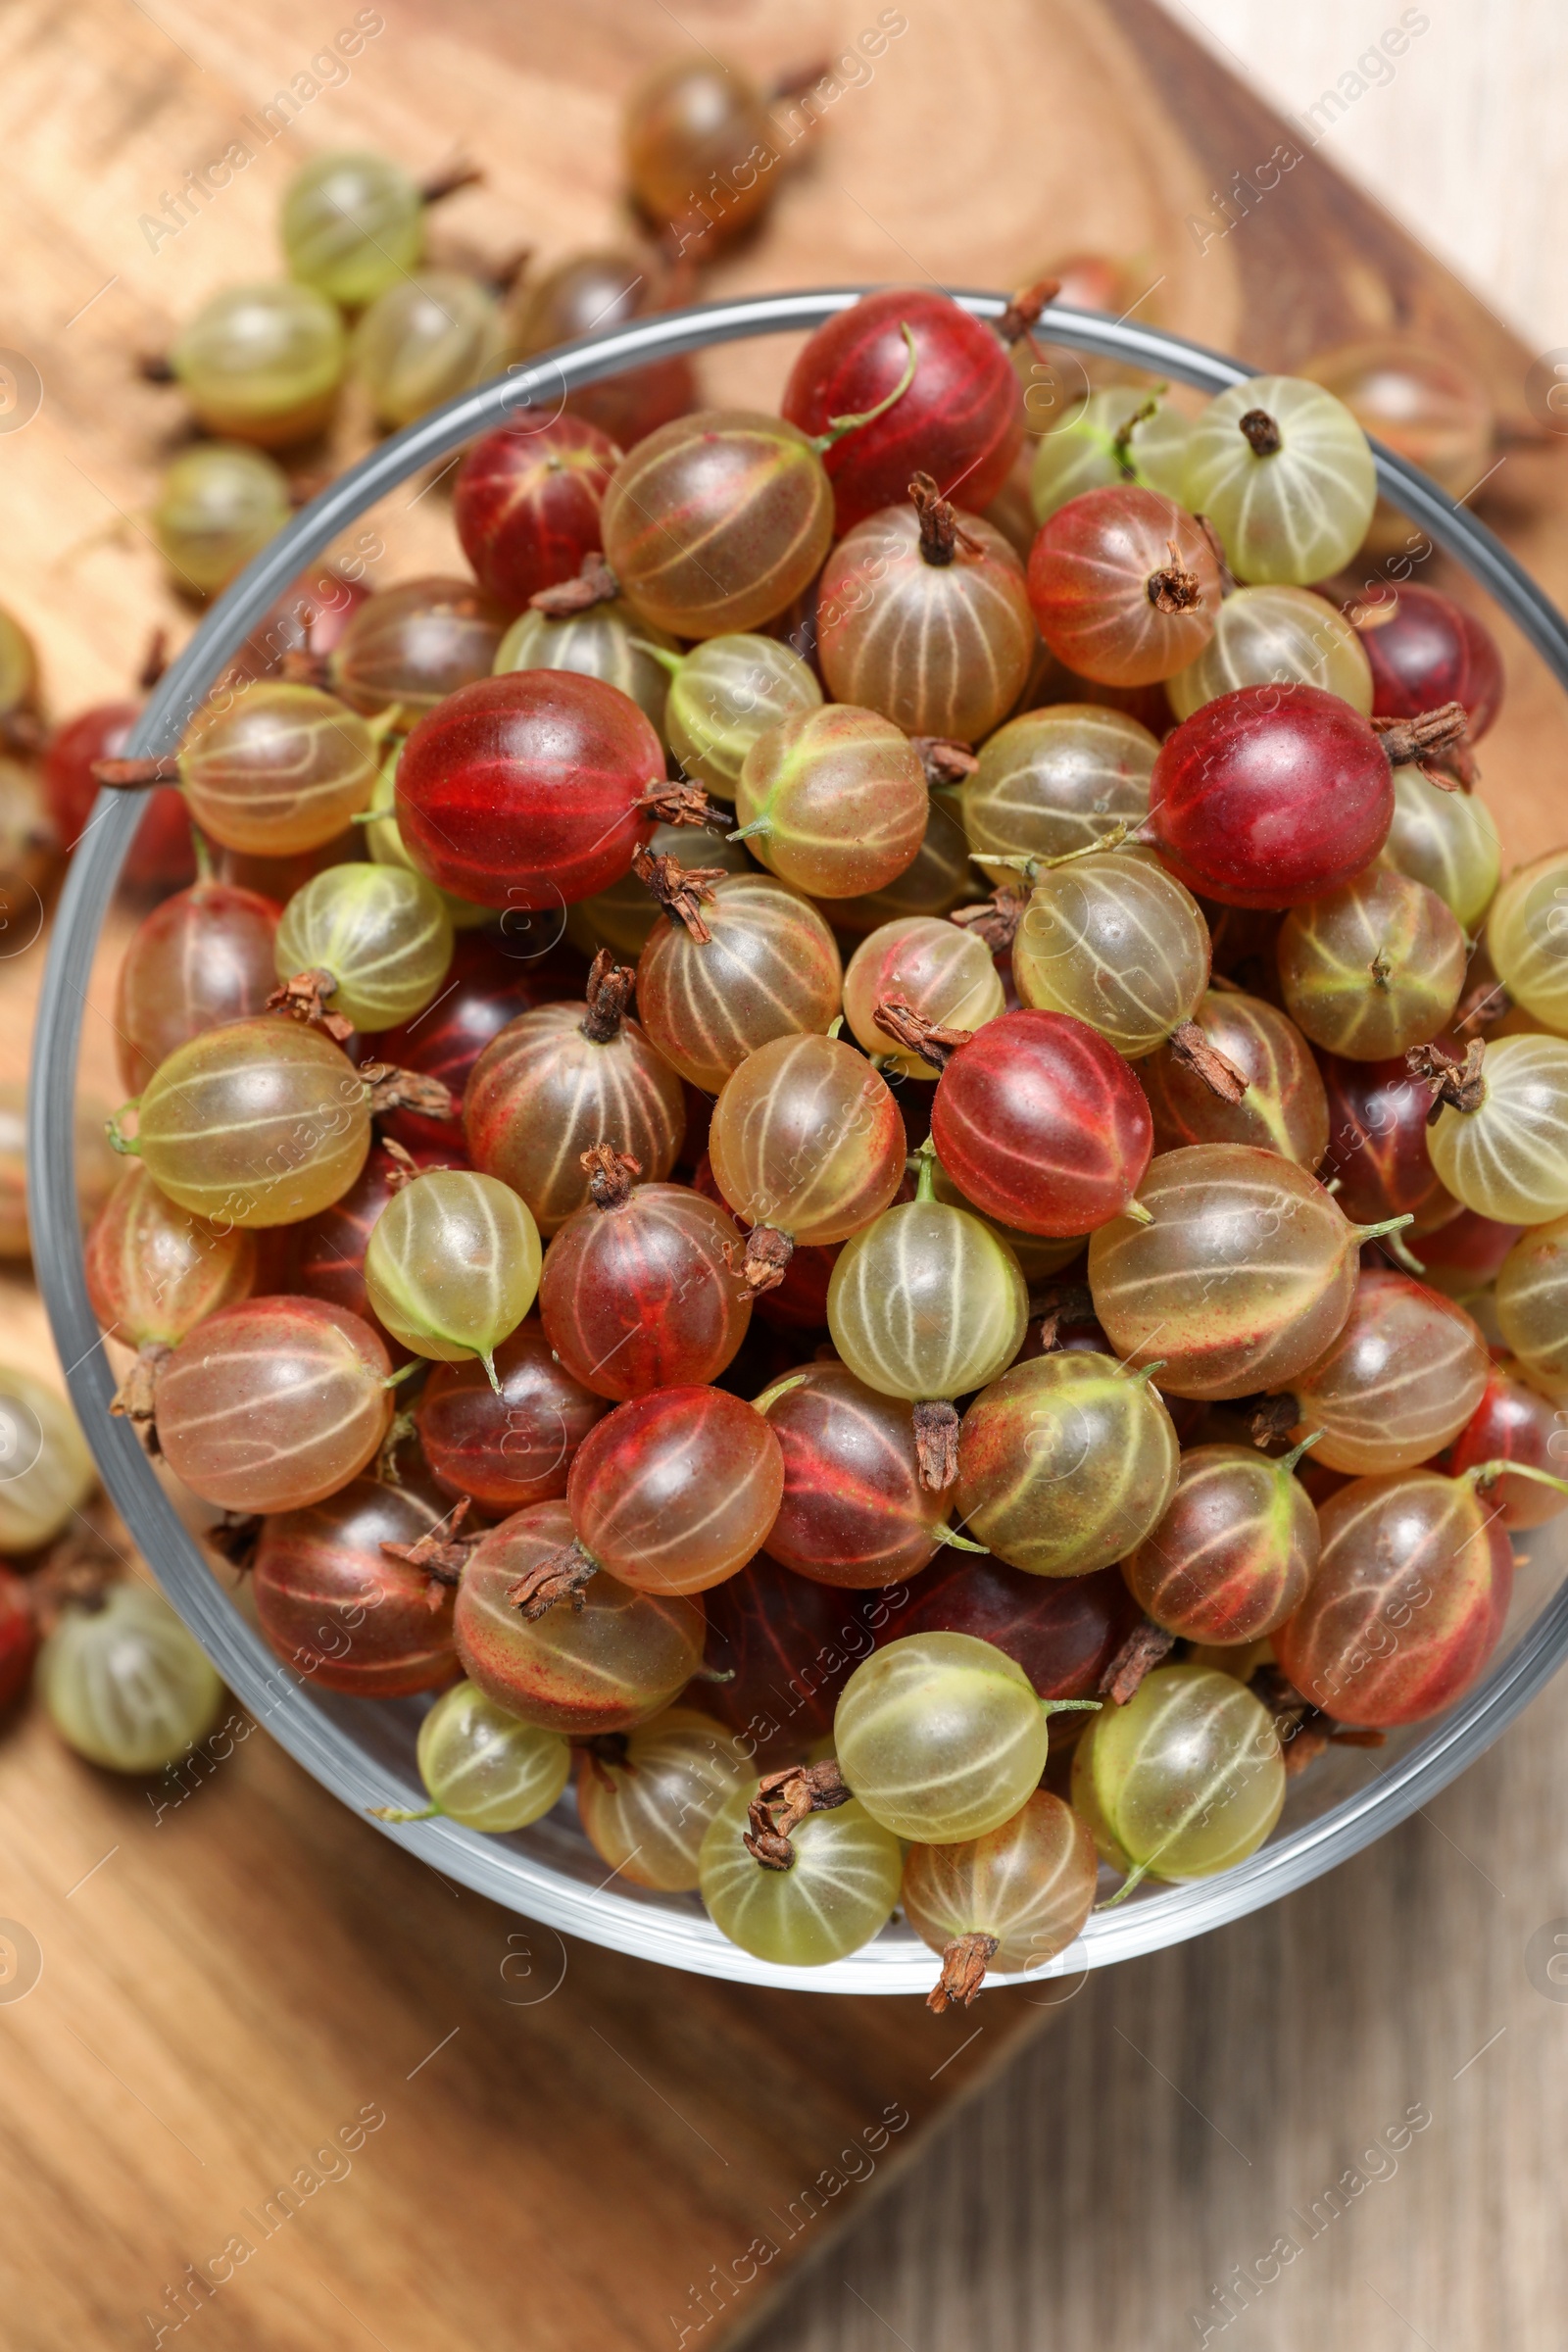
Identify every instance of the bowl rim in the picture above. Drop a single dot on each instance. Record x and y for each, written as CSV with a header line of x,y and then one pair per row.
x,y
328,1749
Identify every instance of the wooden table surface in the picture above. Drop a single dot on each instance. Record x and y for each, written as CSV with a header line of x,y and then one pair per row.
x,y
559,2146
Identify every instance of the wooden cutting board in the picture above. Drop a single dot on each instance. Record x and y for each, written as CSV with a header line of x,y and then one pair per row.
x,y
263,2042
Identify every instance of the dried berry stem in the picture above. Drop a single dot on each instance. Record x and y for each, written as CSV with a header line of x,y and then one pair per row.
x,y
1270,1419
782,1802
1173,588
683,804
996,920
1260,433
610,1174
1433,734
1218,1072
945,758
763,1261
446,182
1022,314
608,994
1143,1648
941,532
559,1576
595,584
681,890
305,996
1461,1084
964,1962
133,1399
440,1554
936,1443
897,1018
392,1089
135,775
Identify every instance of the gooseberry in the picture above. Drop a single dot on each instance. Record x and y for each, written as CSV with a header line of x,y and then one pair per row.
x,y
273,1403
646,1812
1233,1552
262,363
1279,637
606,1665
1057,781
1401,1378
1284,1108
377,938
526,500
341,1601
453,1265
922,615
125,1683
1124,586
1065,1463
725,692
559,1080
1241,1276
1009,1900
512,1445
199,960
1188,1775
1283,471
833,801
758,965
1373,968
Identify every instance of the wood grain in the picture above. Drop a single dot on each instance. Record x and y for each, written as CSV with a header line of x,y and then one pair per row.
x,y
228,1984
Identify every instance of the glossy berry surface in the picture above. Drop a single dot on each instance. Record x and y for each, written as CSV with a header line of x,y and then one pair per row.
x,y
1509,1158
1402,1379
927,1301
1112,940
1042,1125
160,858
276,768
1526,938
410,647
489,982
482,1767
1269,797
527,503
1057,781
941,1736
853,1510
768,969
808,1137
1284,1110
202,958
580,295
833,801
1515,1422
381,933
1373,968
1233,1552
545,1090
723,695
327,1251
125,1683
1279,637
154,1270
1533,1301
606,1666
647,1815
273,1403
1062,1630
1378,1142
929,625
961,419
639,1295
1065,1464
1424,650
345,1613
1284,473
1124,586
523,791
717,521
452,1265
1243,1277
512,1446
1188,1775
839,1891
942,972
1446,840
1408,1600
257,1123
674,1491
1029,1885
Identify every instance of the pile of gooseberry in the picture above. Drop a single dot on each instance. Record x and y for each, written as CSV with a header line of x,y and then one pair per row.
x,y
826,1240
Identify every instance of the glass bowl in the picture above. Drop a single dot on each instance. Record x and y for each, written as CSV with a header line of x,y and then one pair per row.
x,y
364,1751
